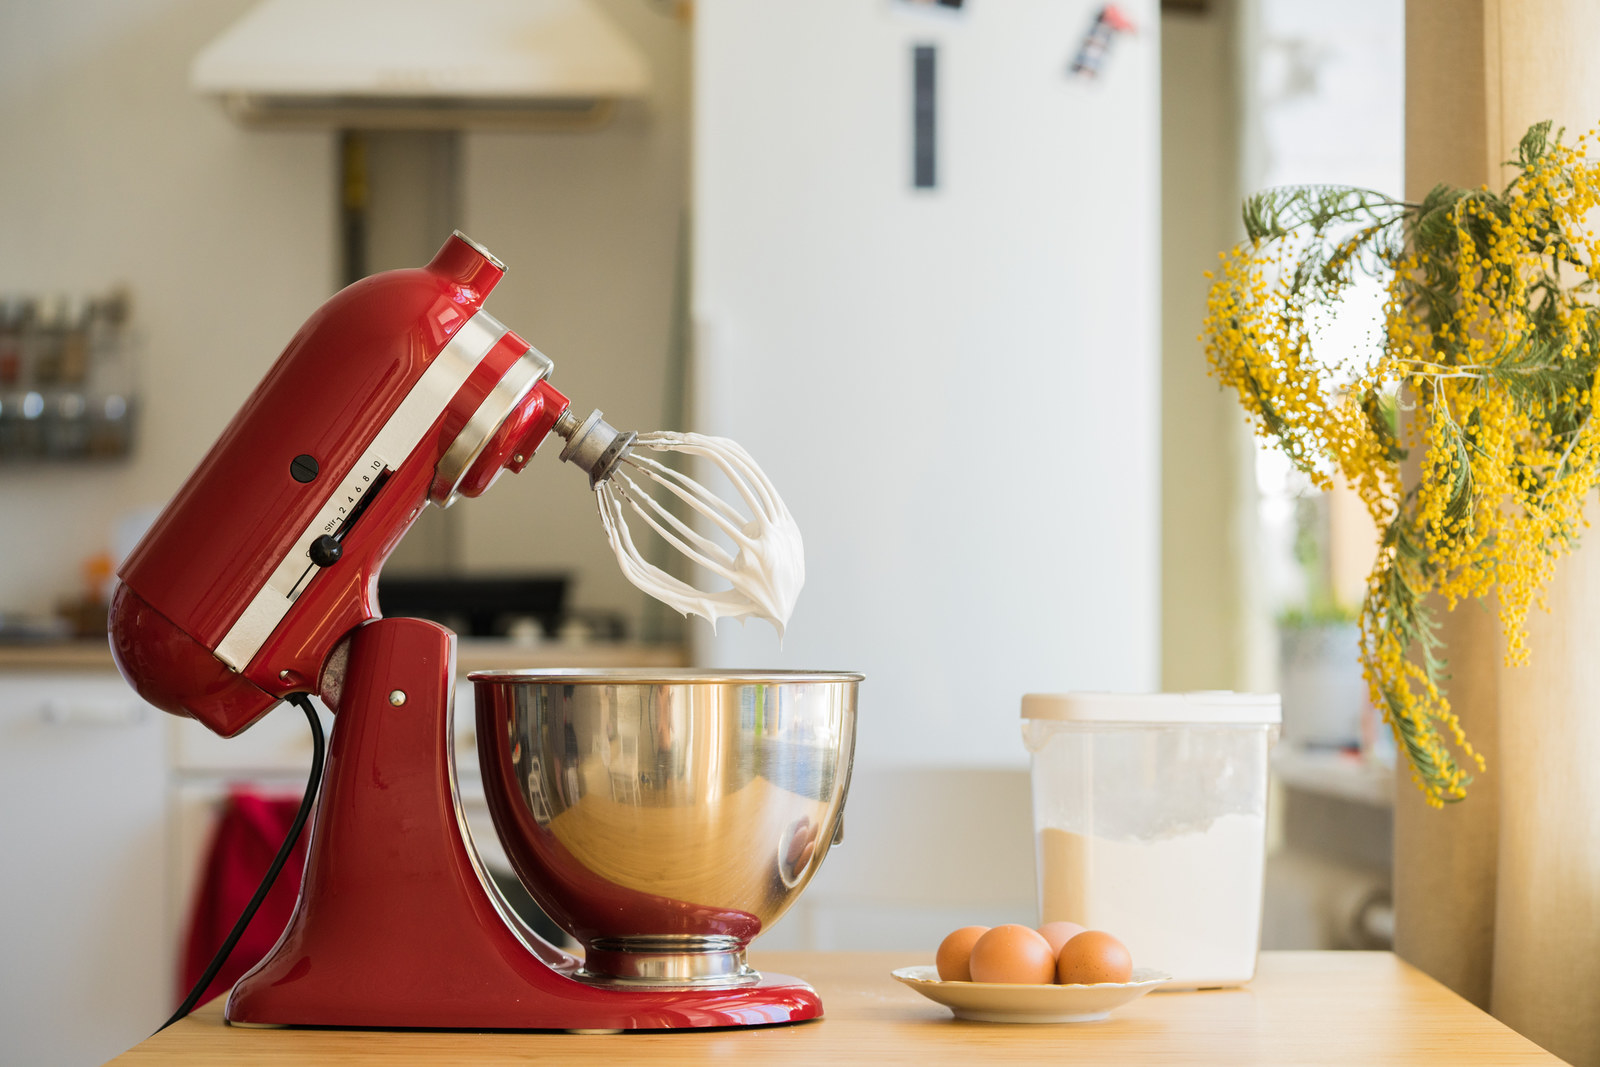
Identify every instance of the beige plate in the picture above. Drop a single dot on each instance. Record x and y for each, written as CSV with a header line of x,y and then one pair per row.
x,y
997,1002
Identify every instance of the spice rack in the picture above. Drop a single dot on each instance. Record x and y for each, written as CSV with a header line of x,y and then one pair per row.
x,y
67,383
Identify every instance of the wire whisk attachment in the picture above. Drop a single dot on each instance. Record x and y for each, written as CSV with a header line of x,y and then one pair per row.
x,y
756,548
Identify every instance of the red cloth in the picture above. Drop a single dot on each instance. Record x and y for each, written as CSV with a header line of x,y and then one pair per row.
x,y
249,832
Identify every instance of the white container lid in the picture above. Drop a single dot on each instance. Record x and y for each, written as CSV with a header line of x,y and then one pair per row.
x,y
1245,709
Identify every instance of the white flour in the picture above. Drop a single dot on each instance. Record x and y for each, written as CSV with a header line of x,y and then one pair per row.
x,y
766,565
1189,905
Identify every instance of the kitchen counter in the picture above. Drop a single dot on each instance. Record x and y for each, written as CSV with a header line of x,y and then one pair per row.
x,y
1303,1008
472,654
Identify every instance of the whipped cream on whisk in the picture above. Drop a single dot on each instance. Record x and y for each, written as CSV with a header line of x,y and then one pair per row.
x,y
766,563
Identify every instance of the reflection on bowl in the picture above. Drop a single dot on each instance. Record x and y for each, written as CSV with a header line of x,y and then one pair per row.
x,y
665,818
797,848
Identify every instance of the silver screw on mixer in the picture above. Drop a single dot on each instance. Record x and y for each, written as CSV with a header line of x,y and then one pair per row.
x,y
593,444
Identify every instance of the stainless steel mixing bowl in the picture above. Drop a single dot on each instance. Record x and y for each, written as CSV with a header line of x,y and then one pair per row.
x,y
664,818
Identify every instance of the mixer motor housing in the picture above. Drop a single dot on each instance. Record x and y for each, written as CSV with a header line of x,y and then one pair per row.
x,y
400,390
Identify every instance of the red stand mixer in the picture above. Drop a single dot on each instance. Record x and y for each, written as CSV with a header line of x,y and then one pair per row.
x,y
259,581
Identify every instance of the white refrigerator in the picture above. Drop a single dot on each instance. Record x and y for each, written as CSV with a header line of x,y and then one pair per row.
x,y
954,387
925,297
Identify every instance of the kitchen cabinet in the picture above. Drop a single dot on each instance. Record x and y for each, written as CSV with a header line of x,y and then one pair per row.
x,y
84,881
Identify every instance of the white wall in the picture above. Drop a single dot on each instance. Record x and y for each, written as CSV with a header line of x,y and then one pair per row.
x,y
112,171
589,225
955,390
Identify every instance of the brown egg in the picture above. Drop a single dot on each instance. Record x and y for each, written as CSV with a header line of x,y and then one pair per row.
x,y
954,959
1015,954
1059,933
1092,957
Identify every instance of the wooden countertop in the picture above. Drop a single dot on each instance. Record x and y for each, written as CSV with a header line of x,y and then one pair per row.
x,y
1303,1008
472,654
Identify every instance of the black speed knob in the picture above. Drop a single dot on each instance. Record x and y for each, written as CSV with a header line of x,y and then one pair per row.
x,y
326,550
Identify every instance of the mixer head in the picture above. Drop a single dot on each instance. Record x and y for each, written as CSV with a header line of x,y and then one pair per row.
x,y
399,392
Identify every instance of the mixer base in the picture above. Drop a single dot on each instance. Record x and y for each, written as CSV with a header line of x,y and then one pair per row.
x,y
397,925
778,1000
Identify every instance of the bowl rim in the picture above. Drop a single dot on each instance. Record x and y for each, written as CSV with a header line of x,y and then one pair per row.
x,y
657,676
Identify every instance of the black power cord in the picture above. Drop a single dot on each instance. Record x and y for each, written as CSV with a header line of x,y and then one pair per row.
x,y
317,746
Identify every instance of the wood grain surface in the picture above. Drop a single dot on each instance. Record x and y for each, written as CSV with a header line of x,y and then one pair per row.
x,y
1361,1008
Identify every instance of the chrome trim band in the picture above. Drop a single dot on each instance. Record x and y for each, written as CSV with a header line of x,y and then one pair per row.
x,y
531,368
422,407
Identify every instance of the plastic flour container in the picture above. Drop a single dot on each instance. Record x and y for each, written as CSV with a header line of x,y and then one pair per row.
x,y
1150,823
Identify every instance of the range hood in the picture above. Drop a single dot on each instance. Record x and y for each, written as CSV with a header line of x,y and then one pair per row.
x,y
421,64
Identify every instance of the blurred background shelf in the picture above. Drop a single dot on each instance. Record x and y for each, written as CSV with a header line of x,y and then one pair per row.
x,y
472,654
1334,773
